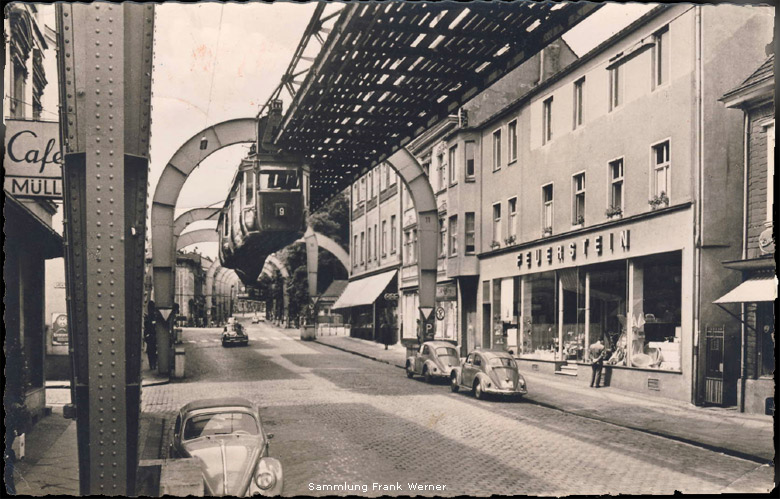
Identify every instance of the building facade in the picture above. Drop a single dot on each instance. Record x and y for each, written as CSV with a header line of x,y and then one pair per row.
x,y
191,269
753,299
607,220
371,296
30,241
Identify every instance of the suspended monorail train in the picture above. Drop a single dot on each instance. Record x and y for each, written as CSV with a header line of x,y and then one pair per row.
x,y
267,206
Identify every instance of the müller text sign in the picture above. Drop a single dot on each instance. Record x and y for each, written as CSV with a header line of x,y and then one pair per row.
x,y
33,161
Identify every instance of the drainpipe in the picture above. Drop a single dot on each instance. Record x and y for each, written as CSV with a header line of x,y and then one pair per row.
x,y
698,238
743,332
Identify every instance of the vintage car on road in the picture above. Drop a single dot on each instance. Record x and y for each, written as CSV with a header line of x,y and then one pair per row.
x,y
435,359
234,334
489,372
226,436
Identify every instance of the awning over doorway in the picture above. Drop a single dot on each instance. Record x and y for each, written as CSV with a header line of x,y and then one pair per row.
x,y
364,291
755,289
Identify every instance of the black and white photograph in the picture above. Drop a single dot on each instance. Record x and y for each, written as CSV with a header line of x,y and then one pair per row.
x,y
389,248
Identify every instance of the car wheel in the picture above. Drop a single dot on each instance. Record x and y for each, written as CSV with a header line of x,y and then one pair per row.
x,y
427,375
409,372
224,344
454,383
478,393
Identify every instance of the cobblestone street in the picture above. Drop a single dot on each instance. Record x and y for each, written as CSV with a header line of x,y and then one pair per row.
x,y
346,421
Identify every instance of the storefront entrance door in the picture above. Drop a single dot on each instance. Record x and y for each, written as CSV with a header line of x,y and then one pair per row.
x,y
713,390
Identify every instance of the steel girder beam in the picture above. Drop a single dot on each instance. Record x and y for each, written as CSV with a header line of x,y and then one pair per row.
x,y
197,236
424,201
166,195
314,241
105,62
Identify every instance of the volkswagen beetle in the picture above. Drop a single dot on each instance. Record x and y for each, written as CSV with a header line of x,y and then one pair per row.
x,y
234,333
226,436
435,359
489,372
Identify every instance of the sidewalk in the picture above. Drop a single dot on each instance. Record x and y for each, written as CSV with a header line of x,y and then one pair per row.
x,y
51,464
720,429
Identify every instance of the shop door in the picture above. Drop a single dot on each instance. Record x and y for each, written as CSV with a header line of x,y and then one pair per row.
x,y
486,326
714,358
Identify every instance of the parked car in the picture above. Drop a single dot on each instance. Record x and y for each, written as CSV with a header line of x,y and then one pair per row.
x,y
257,319
234,334
435,359
226,436
489,372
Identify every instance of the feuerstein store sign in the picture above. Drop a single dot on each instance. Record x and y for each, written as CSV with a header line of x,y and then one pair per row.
x,y
33,160
576,251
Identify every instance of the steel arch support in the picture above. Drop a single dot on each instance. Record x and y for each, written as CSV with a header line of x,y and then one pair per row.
x,y
273,260
193,215
424,201
197,236
104,54
166,195
210,287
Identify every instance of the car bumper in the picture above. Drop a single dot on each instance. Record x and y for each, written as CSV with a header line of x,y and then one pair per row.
x,y
504,391
235,339
441,374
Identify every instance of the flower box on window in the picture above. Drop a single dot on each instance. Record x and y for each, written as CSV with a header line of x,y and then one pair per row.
x,y
547,231
614,212
510,240
659,201
495,245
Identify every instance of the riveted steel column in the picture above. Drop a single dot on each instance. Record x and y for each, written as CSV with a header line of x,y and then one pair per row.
x,y
424,201
312,252
105,60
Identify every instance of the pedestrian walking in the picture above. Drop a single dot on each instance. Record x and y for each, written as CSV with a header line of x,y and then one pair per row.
x,y
384,331
597,352
150,335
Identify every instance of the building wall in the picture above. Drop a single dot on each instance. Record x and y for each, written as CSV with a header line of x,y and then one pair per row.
x,y
757,177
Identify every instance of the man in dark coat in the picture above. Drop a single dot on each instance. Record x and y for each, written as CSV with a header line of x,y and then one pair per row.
x,y
597,354
150,335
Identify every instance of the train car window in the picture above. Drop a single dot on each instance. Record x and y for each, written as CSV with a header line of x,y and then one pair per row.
x,y
249,188
281,180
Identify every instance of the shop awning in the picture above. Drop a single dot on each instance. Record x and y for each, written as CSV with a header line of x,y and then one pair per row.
x,y
755,289
364,291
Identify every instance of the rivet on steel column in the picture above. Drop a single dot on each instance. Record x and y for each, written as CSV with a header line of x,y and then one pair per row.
x,y
103,48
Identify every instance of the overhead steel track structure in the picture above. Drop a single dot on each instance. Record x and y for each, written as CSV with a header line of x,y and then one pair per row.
x,y
390,71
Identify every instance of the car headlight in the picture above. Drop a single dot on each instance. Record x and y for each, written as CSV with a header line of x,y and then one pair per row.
x,y
265,480
268,472
521,381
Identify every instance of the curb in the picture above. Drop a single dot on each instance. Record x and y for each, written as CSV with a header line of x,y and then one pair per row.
x,y
359,354
714,448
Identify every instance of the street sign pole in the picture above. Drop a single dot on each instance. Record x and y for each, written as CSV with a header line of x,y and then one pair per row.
x,y
104,55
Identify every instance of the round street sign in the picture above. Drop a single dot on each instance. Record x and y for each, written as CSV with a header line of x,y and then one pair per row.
x,y
439,313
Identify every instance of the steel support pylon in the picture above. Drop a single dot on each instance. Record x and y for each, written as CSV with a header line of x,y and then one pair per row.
x,y
105,62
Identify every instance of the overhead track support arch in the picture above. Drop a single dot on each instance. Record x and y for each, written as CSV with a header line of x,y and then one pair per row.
x,y
166,195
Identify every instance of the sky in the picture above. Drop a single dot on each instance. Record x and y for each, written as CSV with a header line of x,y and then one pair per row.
x,y
219,61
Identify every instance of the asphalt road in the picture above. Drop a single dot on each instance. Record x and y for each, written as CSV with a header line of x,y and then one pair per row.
x,y
346,425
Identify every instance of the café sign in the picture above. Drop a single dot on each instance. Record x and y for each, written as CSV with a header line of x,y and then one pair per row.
x,y
576,250
33,160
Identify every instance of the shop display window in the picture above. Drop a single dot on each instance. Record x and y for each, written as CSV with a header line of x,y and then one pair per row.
x,y
656,312
574,313
607,308
540,328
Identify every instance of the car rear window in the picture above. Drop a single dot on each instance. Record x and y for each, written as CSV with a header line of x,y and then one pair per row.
x,y
446,352
503,362
219,423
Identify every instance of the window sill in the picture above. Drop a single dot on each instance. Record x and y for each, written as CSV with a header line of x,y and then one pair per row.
x,y
453,184
577,226
471,180
496,169
513,162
